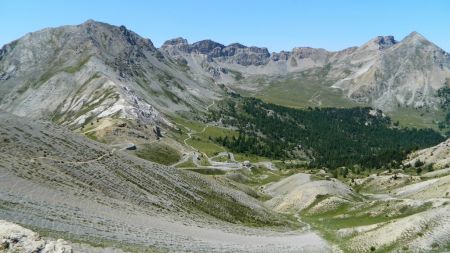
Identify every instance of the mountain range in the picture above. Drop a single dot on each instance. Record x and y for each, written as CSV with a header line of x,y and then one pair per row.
x,y
72,74
110,144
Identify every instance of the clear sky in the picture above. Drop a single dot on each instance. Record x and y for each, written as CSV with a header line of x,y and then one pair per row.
x,y
277,24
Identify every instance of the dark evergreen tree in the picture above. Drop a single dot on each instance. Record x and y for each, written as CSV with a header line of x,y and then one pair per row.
x,y
335,137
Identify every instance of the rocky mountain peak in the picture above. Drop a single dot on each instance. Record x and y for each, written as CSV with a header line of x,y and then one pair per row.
x,y
415,35
93,22
207,47
236,45
385,41
89,37
415,38
175,42
379,43
176,45
87,64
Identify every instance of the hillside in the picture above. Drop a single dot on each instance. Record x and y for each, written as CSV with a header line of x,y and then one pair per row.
x,y
73,74
67,186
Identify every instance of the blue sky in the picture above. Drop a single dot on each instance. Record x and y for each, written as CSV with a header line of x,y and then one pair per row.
x,y
278,24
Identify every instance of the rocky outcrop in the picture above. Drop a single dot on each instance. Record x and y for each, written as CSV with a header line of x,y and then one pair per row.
x,y
179,44
208,47
386,41
233,53
438,156
14,238
247,55
281,56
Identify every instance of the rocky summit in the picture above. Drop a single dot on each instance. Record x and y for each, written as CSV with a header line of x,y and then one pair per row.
x,y
72,73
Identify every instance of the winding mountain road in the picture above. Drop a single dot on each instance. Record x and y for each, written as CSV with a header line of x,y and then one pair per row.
x,y
194,154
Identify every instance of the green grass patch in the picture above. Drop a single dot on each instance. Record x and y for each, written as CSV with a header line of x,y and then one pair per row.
x,y
213,131
221,159
202,142
188,164
350,215
260,175
94,137
158,153
75,68
302,92
250,157
420,118
208,171
193,125
236,74
205,146
204,162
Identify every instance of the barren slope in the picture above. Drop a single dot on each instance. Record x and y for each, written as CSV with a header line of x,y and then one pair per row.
x,y
52,179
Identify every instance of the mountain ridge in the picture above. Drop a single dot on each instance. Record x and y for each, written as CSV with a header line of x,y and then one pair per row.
x,y
354,70
89,113
144,82
72,62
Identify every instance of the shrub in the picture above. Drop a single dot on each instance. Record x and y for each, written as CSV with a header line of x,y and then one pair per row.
x,y
419,170
418,163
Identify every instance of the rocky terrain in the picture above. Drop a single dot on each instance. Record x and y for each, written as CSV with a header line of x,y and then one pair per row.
x,y
70,187
299,191
387,213
383,73
437,156
15,238
90,113
72,74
